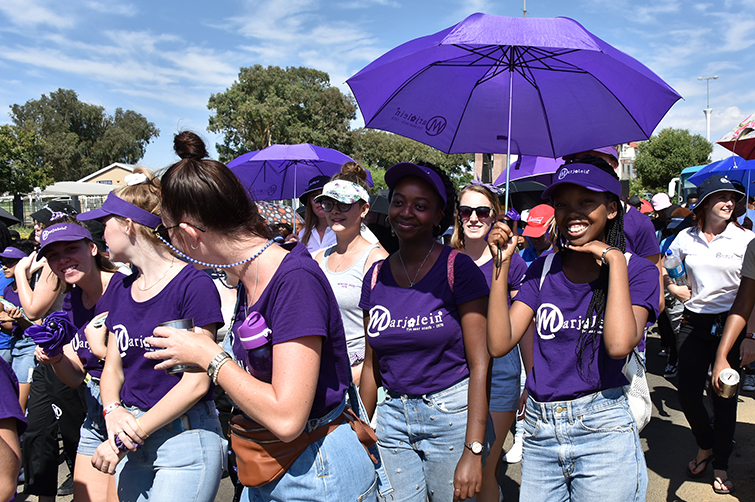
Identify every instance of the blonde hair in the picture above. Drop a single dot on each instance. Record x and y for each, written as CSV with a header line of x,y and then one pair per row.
x,y
145,195
457,238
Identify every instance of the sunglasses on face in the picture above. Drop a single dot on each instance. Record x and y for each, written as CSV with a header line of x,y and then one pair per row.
x,y
8,263
162,231
328,205
465,212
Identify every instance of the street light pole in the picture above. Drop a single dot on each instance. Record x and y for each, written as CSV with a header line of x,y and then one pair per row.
x,y
708,109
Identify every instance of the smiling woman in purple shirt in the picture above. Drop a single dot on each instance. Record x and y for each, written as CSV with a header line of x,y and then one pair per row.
x,y
590,304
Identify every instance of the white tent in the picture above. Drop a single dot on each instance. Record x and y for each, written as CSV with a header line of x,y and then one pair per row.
x,y
72,188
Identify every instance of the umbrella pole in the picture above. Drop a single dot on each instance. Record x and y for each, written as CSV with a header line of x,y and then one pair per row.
x,y
508,141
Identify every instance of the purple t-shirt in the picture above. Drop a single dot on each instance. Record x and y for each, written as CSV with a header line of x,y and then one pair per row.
x,y
299,302
80,317
556,373
640,234
416,332
12,296
9,407
190,294
517,269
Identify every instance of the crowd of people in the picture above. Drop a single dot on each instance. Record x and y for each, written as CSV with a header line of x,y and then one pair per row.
x,y
173,326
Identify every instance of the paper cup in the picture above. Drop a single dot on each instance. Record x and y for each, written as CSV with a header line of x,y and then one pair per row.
x,y
729,380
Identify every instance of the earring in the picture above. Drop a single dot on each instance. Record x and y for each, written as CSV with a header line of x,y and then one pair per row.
x,y
193,246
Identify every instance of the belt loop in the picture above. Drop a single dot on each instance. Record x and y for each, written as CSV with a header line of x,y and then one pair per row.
x,y
569,412
544,412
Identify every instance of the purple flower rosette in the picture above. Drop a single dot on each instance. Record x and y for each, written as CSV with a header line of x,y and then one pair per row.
x,y
55,331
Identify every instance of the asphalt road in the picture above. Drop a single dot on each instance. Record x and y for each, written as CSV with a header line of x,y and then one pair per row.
x,y
668,443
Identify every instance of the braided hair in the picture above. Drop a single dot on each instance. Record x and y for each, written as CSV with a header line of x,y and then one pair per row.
x,y
588,332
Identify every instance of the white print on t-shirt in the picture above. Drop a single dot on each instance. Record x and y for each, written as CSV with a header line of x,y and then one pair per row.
x,y
550,320
125,341
380,319
77,343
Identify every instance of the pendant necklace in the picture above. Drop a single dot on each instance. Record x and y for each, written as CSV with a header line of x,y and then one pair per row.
x,y
160,279
413,282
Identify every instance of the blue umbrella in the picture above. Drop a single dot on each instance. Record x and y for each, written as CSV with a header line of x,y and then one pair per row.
x,y
282,171
734,167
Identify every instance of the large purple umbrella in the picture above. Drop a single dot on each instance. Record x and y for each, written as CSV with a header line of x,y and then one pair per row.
x,y
527,165
493,84
282,171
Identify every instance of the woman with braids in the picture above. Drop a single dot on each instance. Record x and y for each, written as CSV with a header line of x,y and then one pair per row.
x,y
713,252
302,384
590,303
424,312
164,440
477,211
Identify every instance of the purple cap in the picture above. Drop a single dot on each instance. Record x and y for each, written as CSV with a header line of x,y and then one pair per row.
x,y
115,206
608,150
62,232
398,171
586,175
11,252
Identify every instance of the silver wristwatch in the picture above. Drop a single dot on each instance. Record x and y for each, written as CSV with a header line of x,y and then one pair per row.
x,y
215,364
475,447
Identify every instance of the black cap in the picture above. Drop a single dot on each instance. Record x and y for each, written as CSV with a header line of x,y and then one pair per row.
x,y
715,183
52,211
316,183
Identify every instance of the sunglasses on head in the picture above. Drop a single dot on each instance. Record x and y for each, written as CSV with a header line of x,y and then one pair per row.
x,y
328,205
465,212
161,230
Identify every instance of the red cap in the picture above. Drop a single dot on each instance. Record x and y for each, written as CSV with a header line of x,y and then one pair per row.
x,y
537,220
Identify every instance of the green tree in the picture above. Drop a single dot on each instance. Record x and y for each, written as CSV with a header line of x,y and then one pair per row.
x,y
272,105
663,157
378,150
21,161
79,138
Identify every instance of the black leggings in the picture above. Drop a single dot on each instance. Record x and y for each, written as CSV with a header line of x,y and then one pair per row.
x,y
668,337
696,355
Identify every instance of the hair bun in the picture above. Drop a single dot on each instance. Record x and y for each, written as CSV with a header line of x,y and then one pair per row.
x,y
354,169
188,145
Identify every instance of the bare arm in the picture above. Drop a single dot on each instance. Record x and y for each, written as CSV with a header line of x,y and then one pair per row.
x,y
741,310
505,326
283,406
10,458
624,324
36,302
468,475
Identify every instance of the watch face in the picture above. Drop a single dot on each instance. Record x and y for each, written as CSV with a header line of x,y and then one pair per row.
x,y
475,447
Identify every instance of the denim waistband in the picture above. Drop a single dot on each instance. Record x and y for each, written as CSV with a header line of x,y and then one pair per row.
x,y
314,423
429,395
182,423
569,410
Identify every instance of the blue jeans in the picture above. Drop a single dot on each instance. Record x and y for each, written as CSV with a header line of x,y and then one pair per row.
x,y
93,430
22,352
334,468
587,449
182,461
421,439
505,386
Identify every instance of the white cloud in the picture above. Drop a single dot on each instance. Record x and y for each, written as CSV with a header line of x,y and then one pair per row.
x,y
117,8
27,13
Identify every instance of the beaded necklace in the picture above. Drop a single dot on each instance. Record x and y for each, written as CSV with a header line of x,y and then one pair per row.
x,y
212,265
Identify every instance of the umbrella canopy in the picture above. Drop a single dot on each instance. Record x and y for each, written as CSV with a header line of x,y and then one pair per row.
x,y
282,171
494,84
741,139
453,90
527,165
734,167
277,213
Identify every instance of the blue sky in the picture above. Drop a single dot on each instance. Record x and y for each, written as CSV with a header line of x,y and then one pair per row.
x,y
164,59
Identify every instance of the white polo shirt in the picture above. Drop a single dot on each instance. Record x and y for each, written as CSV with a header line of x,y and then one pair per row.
x,y
713,268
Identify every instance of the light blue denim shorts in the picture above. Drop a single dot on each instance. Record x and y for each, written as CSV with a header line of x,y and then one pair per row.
x,y
586,449
93,430
505,385
22,352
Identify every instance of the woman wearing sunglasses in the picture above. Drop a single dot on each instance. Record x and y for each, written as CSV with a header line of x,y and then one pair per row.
x,y
344,264
215,224
164,437
478,211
